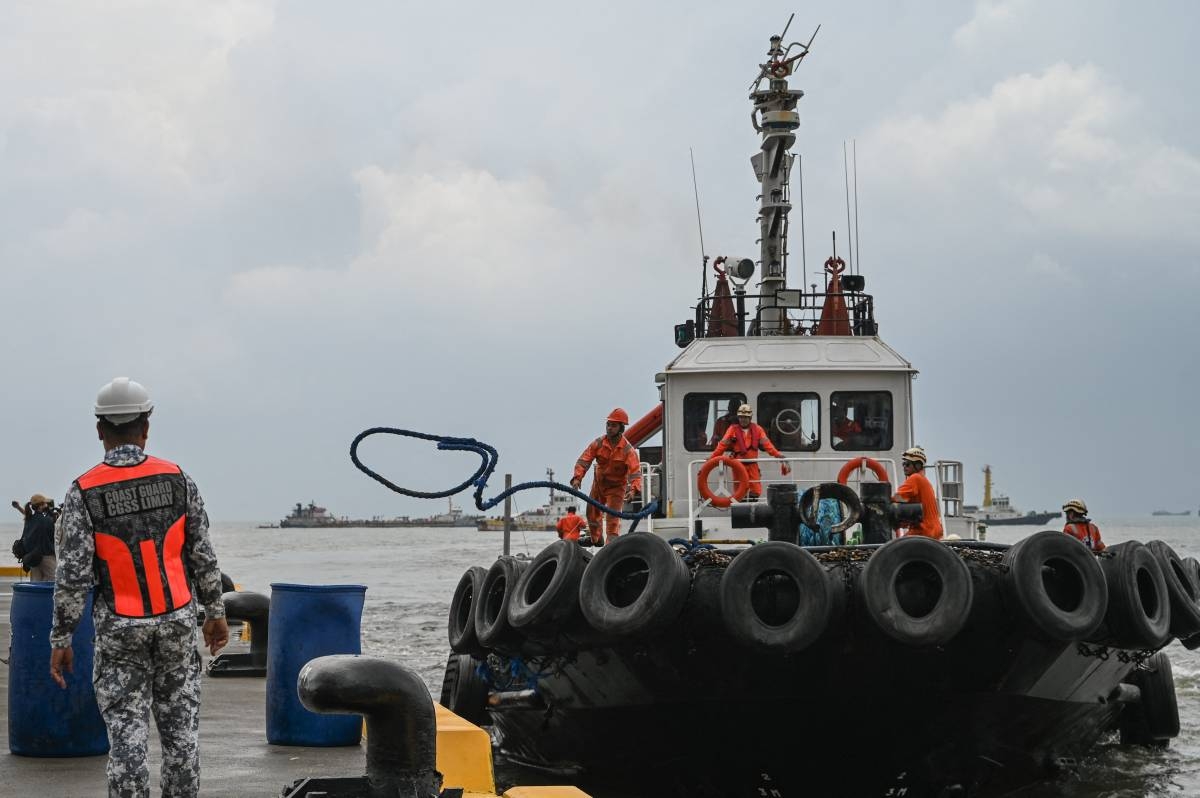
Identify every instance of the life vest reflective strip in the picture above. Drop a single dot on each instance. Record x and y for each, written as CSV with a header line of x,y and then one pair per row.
x,y
117,555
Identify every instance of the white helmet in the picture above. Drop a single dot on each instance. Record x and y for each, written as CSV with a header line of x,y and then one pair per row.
x,y
915,455
1075,505
745,410
122,400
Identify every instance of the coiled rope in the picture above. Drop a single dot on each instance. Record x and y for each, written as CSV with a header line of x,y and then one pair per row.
x,y
489,458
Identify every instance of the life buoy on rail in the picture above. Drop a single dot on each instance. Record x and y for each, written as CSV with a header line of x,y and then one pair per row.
x,y
857,462
741,481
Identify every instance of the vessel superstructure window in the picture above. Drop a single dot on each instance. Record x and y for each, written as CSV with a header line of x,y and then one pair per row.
x,y
860,421
792,420
706,416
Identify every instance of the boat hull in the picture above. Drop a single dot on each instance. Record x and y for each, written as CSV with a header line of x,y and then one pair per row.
x,y
1031,519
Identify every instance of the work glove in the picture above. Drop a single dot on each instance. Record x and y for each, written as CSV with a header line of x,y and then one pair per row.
x,y
785,469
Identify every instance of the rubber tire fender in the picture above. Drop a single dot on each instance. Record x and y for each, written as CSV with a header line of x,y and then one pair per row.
x,y
635,586
464,692
768,575
491,607
1181,591
1139,611
894,576
548,591
1055,584
741,481
227,585
1155,718
810,502
463,639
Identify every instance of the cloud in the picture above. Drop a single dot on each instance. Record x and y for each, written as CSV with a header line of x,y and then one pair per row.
x,y
991,17
1064,150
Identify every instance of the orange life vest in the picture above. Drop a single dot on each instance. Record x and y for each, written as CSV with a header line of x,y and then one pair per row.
x,y
569,525
1087,532
745,443
139,522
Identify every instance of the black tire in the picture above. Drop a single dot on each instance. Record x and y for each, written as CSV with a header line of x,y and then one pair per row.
x,y
491,608
811,500
777,596
227,585
463,639
1139,612
1192,566
548,591
917,591
1055,584
464,692
1153,720
635,586
1181,591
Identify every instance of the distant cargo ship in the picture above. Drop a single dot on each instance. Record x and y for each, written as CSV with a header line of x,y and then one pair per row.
x,y
315,517
998,511
1168,512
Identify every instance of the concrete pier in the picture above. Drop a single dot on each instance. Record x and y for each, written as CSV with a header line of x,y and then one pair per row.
x,y
235,759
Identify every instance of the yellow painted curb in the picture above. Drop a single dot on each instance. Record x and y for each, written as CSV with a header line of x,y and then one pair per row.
x,y
11,570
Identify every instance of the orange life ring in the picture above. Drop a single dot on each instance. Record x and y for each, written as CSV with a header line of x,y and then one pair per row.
x,y
874,465
741,481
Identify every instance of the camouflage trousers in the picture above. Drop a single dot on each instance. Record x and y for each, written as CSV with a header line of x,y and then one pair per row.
x,y
144,668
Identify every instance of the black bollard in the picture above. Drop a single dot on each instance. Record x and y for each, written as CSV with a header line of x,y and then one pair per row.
x,y
254,609
876,517
401,726
779,515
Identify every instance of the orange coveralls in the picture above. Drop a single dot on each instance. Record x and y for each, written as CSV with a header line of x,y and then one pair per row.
x,y
744,445
918,488
1087,532
568,526
617,472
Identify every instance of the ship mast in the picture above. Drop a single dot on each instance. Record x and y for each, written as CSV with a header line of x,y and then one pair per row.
x,y
775,117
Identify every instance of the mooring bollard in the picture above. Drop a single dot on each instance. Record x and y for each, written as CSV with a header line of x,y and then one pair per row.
x,y
306,622
254,609
44,719
401,726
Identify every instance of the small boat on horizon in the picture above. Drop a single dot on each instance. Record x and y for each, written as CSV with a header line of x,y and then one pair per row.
x,y
1168,512
997,510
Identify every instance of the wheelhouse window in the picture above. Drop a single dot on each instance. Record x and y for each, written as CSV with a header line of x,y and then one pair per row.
x,y
706,416
861,421
792,420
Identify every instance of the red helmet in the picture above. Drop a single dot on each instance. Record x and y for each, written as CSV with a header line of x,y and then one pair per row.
x,y
618,415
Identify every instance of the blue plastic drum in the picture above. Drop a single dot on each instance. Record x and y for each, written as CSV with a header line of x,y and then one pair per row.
x,y
306,622
44,719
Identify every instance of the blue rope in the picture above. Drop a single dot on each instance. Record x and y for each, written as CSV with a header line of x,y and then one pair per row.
x,y
489,458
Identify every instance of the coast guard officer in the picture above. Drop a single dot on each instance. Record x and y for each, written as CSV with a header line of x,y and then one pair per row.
x,y
135,526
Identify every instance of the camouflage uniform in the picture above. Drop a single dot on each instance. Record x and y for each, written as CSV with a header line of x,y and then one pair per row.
x,y
140,663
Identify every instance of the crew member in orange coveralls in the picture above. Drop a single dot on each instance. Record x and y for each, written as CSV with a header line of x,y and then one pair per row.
x,y
570,525
618,475
916,488
1080,526
743,441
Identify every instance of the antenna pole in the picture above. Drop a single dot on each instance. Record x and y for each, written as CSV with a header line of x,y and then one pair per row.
x,y
803,243
788,25
857,247
849,231
700,227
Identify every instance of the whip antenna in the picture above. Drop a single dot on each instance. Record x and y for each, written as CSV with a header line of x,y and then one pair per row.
x,y
857,247
849,230
700,227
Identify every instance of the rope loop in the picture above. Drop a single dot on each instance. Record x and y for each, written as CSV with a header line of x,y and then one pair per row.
x,y
489,458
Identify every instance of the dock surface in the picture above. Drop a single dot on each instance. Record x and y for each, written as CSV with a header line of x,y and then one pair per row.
x,y
235,758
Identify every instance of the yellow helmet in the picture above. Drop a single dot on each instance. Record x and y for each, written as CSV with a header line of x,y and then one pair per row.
x,y
745,410
916,455
1076,506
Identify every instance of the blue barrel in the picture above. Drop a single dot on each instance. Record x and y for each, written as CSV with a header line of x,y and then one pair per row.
x,y
306,622
44,719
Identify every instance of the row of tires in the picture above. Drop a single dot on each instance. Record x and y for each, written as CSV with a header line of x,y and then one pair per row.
x,y
778,596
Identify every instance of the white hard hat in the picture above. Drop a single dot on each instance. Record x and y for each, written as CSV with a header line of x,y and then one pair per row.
x,y
916,455
745,410
1076,505
123,400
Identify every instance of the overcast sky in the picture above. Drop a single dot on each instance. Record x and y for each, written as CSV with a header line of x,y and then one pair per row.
x,y
295,220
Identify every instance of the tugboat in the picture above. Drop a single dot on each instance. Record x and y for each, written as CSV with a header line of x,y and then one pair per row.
x,y
539,519
709,653
997,510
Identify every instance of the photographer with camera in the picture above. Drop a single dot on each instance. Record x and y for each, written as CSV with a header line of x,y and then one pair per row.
x,y
36,546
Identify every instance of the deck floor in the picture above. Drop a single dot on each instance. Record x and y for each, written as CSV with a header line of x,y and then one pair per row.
x,y
236,759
